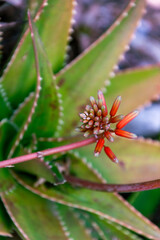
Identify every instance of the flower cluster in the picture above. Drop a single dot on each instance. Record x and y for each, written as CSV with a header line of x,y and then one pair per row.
x,y
95,121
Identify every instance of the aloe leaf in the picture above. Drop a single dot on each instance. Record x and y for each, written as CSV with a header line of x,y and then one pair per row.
x,y
137,157
5,222
150,200
15,64
42,169
107,229
56,15
71,224
84,169
107,205
114,229
39,167
25,214
6,109
136,86
85,75
91,226
7,183
80,168
54,28
7,133
44,123
42,119
19,115
58,175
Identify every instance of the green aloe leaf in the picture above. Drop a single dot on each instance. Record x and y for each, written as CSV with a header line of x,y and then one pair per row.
x,y
7,183
5,222
136,156
54,32
7,133
88,72
107,205
43,123
150,200
72,225
34,217
55,20
42,169
6,109
15,65
19,115
136,86
40,123
107,229
58,175
45,119
79,168
91,226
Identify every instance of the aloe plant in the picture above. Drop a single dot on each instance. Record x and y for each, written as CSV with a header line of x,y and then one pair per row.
x,y
45,194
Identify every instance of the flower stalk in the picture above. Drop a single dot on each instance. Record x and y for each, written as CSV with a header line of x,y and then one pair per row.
x,y
121,188
135,187
47,152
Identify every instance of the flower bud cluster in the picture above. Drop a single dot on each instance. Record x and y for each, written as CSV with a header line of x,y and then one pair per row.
x,y
96,121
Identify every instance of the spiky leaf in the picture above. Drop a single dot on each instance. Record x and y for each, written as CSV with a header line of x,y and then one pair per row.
x,y
84,76
71,224
23,60
106,205
5,222
34,216
42,118
150,200
138,157
106,229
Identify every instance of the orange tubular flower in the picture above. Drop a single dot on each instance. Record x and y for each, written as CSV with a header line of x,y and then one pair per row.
x,y
96,122
115,106
110,154
125,134
129,117
99,147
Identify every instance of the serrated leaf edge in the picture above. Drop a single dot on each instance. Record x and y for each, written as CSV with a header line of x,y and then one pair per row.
x,y
37,16
63,225
5,98
112,219
90,166
113,73
12,217
21,105
36,97
94,224
96,172
148,102
70,30
123,15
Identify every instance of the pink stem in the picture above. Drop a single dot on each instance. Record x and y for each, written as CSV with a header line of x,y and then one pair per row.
x,y
46,152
